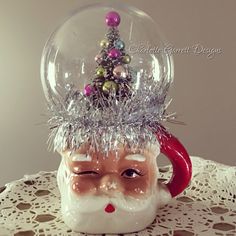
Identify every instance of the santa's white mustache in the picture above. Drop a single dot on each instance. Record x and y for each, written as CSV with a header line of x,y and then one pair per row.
x,y
89,204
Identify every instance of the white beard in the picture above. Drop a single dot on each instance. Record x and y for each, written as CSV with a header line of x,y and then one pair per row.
x,y
86,213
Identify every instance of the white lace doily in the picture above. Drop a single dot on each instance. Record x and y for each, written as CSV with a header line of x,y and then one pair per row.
x,y
31,206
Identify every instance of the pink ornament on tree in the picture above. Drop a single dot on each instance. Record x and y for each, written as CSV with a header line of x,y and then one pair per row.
x,y
98,58
114,53
120,71
88,90
112,19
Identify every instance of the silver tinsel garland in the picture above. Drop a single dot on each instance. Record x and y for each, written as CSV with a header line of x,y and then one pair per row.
x,y
130,121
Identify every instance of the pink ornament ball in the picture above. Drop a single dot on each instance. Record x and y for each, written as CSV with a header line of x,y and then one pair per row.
x,y
114,53
88,90
120,72
99,58
113,19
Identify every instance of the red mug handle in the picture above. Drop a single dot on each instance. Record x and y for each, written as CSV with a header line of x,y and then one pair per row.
x,y
179,158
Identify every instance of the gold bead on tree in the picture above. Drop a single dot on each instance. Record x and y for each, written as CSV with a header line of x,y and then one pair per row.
x,y
100,71
126,59
109,86
104,43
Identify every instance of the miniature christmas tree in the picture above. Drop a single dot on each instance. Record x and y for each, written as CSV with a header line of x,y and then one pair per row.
x,y
113,76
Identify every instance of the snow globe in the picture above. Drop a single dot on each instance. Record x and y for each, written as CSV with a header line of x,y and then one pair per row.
x,y
106,89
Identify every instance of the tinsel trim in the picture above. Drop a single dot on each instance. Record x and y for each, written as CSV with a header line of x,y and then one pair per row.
x,y
130,121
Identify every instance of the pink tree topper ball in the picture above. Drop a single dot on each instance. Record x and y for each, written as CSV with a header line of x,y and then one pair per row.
x,y
112,19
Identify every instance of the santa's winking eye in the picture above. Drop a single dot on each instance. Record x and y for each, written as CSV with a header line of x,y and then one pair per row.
x,y
87,173
131,173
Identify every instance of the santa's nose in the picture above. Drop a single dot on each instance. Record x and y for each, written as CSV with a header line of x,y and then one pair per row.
x,y
110,184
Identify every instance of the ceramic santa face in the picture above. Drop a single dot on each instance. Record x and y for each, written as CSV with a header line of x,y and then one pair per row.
x,y
110,189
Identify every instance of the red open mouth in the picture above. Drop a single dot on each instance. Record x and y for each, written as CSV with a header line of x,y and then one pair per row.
x,y
109,208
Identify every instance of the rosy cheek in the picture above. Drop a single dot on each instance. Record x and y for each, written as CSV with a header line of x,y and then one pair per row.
x,y
83,186
136,187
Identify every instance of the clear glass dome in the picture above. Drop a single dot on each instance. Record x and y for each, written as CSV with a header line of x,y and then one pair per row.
x,y
72,55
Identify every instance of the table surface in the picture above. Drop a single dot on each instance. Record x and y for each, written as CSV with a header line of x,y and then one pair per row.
x,y
31,205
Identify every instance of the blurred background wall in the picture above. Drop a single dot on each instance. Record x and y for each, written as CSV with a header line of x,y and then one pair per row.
x,y
203,92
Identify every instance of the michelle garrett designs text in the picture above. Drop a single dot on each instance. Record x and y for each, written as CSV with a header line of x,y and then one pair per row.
x,y
196,49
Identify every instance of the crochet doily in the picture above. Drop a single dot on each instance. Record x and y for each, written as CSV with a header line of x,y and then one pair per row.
x,y
31,206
